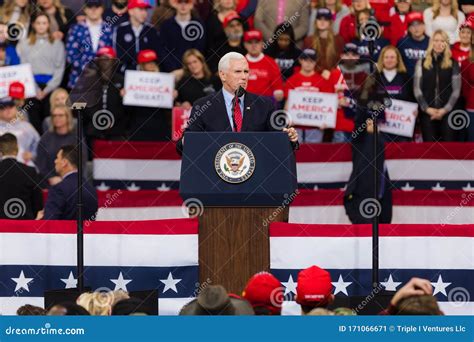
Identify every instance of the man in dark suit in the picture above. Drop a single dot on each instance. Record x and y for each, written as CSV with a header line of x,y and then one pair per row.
x,y
20,192
233,109
61,203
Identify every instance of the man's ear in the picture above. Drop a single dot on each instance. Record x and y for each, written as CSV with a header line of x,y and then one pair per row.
x,y
222,76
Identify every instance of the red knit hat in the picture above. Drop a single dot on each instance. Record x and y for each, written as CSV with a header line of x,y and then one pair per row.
x,y
264,290
314,286
107,51
16,91
253,35
146,56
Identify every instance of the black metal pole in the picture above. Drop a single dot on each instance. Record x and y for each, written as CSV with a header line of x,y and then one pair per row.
x,y
375,219
78,108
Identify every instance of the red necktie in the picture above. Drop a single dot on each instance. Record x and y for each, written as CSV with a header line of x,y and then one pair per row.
x,y
237,115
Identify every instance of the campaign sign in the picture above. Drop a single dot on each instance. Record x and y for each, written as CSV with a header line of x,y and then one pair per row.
x,y
17,73
309,108
179,121
148,89
400,118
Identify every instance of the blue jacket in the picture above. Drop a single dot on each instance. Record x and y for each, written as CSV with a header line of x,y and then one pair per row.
x,y
61,203
175,41
412,50
79,48
11,57
127,45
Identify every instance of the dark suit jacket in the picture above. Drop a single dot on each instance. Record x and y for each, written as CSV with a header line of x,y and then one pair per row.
x,y
209,114
21,182
61,203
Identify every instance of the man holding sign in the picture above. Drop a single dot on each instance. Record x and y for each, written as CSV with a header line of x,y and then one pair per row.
x,y
232,108
312,100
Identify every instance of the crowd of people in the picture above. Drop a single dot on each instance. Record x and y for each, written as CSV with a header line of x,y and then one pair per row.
x,y
263,295
423,56
421,53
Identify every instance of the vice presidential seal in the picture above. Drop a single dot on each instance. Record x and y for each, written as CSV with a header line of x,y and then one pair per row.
x,y
234,163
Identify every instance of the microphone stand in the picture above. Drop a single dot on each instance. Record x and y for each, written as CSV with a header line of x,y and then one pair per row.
x,y
375,219
78,107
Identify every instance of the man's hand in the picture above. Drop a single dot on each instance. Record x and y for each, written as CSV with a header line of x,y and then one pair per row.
x,y
292,134
415,287
279,95
54,180
40,215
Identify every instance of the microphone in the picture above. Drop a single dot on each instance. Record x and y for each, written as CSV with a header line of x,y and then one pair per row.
x,y
238,93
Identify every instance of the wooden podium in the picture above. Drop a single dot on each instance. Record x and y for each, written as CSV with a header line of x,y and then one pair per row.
x,y
234,244
235,215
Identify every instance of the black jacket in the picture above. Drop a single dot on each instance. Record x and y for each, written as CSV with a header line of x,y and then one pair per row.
x,y
61,203
20,192
127,45
209,114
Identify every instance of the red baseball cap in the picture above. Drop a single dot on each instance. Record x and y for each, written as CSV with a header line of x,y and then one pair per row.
x,y
232,16
253,35
314,286
468,23
146,56
414,16
138,4
263,289
16,90
107,51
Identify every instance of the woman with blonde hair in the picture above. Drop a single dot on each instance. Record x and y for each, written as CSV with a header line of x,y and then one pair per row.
x,y
338,11
328,45
62,132
437,86
61,17
47,58
395,80
197,79
444,15
16,12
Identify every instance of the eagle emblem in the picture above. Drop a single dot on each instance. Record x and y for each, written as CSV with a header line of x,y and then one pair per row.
x,y
234,163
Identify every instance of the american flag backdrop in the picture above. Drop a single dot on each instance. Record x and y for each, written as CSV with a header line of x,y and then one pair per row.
x,y
142,255
441,254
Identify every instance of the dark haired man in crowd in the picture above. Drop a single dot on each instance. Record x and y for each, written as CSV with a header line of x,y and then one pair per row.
x,y
61,203
20,196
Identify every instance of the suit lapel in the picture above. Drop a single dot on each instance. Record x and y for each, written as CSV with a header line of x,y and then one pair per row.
x,y
222,110
247,112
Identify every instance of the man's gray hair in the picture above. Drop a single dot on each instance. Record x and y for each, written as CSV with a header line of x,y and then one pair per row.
x,y
224,63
